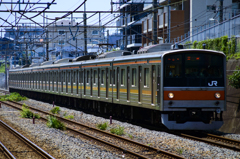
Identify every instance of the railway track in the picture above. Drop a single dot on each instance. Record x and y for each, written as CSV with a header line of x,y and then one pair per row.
x,y
21,147
5,153
129,147
213,140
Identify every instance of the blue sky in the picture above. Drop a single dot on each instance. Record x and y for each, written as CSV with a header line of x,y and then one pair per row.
x,y
66,5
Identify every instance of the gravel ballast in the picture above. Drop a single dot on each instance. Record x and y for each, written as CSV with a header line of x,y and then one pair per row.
x,y
62,145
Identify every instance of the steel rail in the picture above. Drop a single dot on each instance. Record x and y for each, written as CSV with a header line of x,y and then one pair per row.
x,y
37,149
216,143
156,150
6,152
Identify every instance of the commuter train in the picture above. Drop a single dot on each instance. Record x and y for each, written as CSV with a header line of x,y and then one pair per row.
x,y
182,89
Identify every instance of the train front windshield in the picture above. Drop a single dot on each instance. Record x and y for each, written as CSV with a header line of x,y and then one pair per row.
x,y
193,70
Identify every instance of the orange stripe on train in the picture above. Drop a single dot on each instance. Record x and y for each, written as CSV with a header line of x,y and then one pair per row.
x,y
193,95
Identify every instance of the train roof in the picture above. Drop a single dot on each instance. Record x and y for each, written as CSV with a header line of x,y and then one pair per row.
x,y
158,54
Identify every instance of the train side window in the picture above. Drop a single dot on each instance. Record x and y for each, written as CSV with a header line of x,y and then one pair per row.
x,y
95,77
110,81
87,76
123,77
146,77
114,78
134,77
102,77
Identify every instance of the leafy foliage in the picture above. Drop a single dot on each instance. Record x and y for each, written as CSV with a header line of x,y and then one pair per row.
x,y
13,97
224,44
69,116
53,122
102,126
118,131
26,113
234,79
55,110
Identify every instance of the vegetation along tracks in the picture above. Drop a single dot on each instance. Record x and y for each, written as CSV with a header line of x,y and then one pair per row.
x,y
127,146
20,147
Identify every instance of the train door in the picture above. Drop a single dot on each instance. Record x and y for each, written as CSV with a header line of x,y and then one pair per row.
x,y
117,82
72,80
158,84
99,85
85,81
91,83
80,78
107,82
153,77
139,83
62,79
128,83
77,82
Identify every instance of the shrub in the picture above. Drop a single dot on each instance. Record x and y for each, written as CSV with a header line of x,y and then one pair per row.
x,y
13,97
55,110
26,113
102,126
53,122
234,79
118,131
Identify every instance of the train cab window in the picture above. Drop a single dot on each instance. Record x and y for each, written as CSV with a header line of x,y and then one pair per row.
x,y
193,70
123,77
134,76
102,77
146,77
95,77
173,66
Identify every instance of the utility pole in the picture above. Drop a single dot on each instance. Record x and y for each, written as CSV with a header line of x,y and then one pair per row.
x,y
126,42
107,38
169,21
6,65
221,11
85,29
47,47
154,21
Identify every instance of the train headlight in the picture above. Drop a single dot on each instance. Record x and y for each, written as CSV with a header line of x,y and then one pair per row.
x,y
170,95
217,95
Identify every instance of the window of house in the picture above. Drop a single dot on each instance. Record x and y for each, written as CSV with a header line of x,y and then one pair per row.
x,y
95,32
146,77
61,32
134,77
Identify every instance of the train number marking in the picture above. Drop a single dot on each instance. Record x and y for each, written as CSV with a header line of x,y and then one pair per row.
x,y
213,83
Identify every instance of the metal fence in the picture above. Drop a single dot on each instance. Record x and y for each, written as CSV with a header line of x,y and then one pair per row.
x,y
230,27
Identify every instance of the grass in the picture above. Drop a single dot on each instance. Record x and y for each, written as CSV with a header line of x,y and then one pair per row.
x,y
13,97
69,116
55,110
53,122
26,113
130,136
118,131
180,151
102,126
2,68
